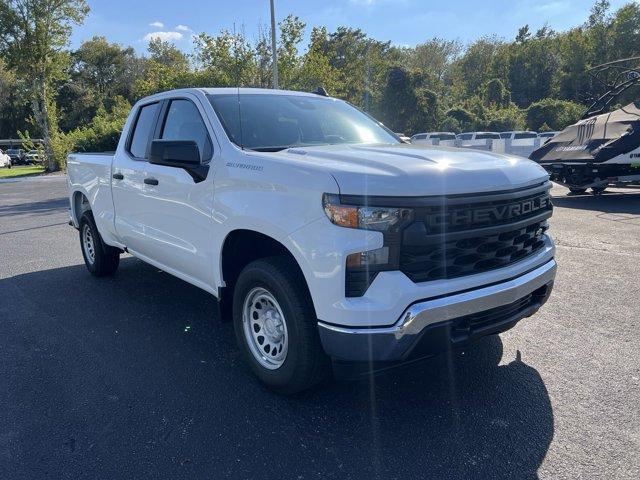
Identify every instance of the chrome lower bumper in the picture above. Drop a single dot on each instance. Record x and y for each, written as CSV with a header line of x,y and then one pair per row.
x,y
396,342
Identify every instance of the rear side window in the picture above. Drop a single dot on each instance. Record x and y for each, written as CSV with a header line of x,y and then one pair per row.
x,y
444,136
142,130
520,136
420,136
185,123
487,136
465,136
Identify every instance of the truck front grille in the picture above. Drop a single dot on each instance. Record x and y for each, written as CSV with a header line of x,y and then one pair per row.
x,y
459,235
456,258
468,235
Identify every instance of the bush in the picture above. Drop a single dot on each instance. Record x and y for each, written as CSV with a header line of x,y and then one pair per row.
x,y
103,133
505,120
556,114
464,118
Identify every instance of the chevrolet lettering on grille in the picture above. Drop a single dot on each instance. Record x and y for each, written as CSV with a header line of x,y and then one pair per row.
x,y
490,215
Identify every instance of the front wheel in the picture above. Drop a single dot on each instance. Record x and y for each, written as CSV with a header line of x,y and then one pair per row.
x,y
276,327
101,259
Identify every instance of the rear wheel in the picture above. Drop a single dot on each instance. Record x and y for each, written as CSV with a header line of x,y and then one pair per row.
x,y
276,327
101,259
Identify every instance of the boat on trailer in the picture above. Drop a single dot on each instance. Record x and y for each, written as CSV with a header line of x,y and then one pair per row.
x,y
601,149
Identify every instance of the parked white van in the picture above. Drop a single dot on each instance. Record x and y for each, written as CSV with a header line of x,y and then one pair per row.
x,y
435,138
518,135
477,140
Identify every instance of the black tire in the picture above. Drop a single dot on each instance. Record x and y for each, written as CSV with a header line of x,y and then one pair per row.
x,y
577,191
105,259
305,364
598,190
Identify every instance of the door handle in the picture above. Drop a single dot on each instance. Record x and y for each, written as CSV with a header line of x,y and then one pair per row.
x,y
118,176
150,181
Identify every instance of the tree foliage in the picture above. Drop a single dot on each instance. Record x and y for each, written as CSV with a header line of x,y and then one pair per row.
x,y
33,37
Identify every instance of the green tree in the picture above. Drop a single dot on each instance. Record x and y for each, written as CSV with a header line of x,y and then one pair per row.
x,y
102,67
556,114
33,34
316,70
291,31
228,56
472,70
433,57
14,104
464,119
168,55
496,94
406,105
505,119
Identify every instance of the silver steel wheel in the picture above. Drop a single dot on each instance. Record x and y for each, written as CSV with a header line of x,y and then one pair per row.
x,y
88,244
265,328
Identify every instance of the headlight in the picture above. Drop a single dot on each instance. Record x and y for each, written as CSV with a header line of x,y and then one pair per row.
x,y
364,217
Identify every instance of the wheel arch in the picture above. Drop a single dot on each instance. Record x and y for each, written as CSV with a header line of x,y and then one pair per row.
x,y
79,204
239,248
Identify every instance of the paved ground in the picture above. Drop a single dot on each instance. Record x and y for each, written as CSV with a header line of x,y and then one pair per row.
x,y
132,377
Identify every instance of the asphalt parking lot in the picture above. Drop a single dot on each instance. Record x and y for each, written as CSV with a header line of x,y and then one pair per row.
x,y
133,377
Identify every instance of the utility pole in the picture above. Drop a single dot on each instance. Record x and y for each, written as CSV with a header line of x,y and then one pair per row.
x,y
274,53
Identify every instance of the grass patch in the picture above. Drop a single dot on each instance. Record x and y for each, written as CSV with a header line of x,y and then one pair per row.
x,y
21,171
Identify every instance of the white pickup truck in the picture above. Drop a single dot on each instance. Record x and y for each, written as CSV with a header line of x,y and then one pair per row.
x,y
322,235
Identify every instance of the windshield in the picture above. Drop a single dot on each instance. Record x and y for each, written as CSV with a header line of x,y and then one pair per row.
x,y
275,122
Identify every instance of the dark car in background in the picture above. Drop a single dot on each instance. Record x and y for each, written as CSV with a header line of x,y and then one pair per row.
x,y
17,156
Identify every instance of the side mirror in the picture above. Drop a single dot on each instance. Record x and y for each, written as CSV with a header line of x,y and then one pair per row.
x,y
175,153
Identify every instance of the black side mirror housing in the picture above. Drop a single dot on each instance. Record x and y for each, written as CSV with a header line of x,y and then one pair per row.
x,y
183,154
174,153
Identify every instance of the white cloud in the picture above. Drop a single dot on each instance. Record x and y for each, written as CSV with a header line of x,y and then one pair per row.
x,y
554,7
183,28
157,24
164,36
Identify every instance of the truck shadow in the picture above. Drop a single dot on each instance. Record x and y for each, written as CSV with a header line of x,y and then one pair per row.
x,y
43,207
626,202
130,376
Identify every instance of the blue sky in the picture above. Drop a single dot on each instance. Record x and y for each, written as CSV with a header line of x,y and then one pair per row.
x,y
404,22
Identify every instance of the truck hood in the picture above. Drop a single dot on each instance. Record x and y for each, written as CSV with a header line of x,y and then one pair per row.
x,y
412,170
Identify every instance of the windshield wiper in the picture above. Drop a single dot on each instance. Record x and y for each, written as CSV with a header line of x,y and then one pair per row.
x,y
269,149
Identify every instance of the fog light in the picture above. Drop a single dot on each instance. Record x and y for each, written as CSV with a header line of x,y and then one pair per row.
x,y
379,256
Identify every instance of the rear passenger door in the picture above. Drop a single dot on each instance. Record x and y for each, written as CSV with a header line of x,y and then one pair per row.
x,y
177,206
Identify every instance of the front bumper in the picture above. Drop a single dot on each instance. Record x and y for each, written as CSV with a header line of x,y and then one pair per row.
x,y
434,325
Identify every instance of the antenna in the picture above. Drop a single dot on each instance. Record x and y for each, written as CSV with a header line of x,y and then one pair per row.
x,y
236,49
240,117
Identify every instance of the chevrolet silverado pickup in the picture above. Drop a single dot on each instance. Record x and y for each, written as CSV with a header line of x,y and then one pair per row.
x,y
325,239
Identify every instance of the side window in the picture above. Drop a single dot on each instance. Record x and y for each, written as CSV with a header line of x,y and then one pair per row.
x,y
142,130
184,122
